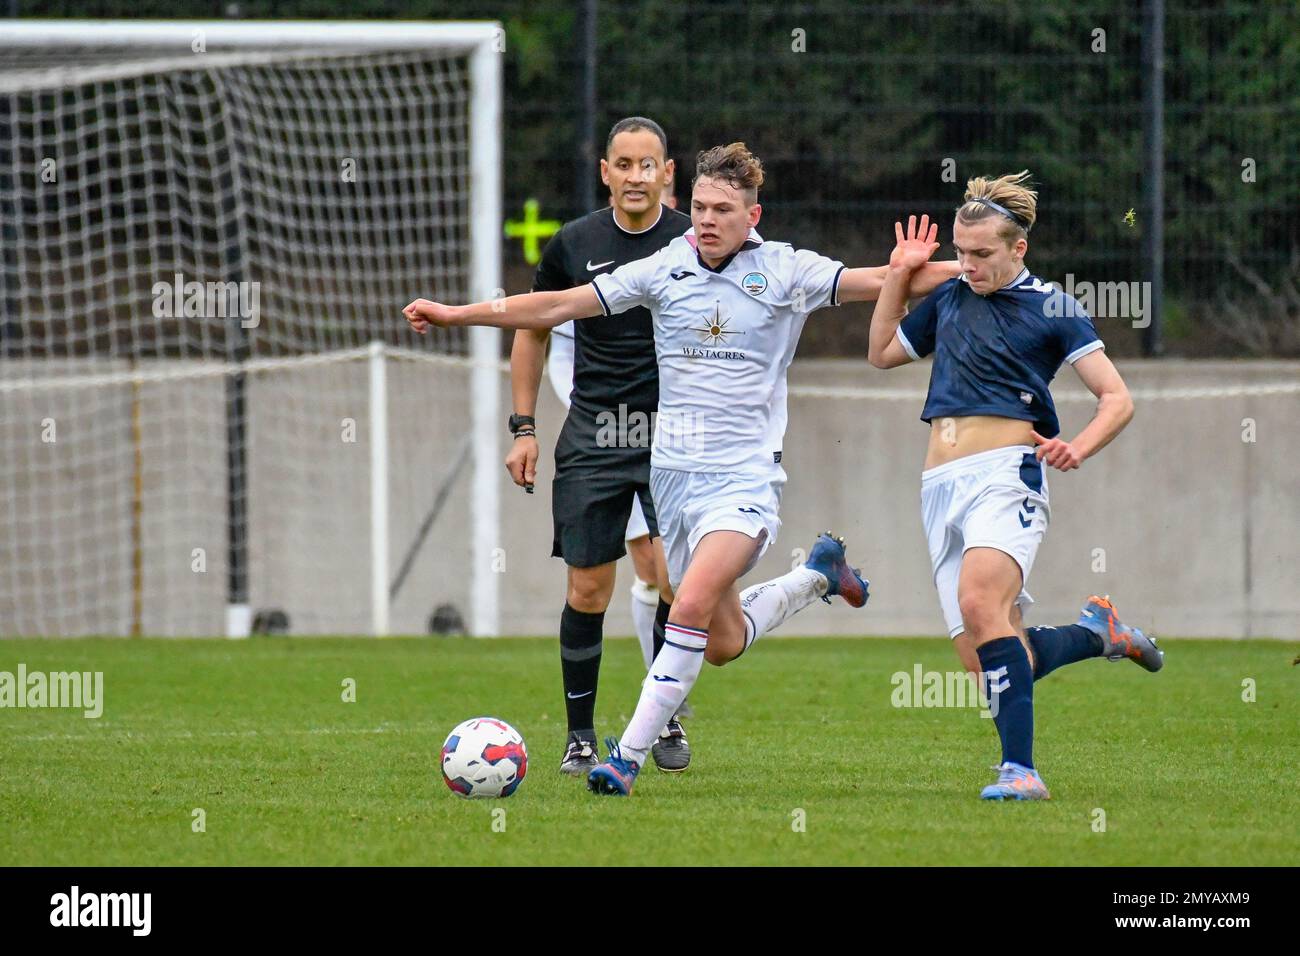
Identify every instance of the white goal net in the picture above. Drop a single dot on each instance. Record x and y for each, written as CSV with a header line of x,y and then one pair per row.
x,y
212,412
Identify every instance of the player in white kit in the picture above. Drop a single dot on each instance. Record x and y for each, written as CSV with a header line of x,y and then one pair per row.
x,y
728,308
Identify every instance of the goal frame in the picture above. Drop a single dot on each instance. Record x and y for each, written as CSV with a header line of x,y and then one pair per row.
x,y
482,43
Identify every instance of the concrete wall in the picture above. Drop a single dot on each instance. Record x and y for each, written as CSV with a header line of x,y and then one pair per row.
x,y
1200,531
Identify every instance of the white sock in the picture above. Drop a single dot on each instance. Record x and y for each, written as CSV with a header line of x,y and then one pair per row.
x,y
670,679
645,604
768,605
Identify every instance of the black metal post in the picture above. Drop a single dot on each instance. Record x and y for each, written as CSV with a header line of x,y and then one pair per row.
x,y
1153,175
586,191
238,349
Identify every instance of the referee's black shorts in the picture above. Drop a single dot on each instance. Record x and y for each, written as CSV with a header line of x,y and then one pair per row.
x,y
590,508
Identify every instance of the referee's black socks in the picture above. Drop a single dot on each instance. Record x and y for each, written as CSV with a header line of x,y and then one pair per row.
x,y
661,620
580,647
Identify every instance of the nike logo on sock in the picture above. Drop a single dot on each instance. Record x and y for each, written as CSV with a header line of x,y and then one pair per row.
x,y
583,694
664,677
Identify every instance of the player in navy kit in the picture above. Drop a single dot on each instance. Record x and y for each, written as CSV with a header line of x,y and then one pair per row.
x,y
998,335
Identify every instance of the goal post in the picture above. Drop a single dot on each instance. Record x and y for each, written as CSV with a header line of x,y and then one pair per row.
x,y
210,397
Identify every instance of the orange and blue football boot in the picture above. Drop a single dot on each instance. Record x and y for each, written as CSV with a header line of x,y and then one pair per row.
x,y
1120,641
614,777
827,559
1016,782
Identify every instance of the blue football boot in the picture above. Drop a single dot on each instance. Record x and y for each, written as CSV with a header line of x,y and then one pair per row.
x,y
1119,640
1016,782
827,559
616,775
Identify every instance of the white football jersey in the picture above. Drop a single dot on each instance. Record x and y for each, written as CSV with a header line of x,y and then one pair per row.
x,y
724,339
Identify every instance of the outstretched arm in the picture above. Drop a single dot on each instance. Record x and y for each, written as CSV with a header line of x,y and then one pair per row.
x,y
911,254
1114,411
866,284
533,310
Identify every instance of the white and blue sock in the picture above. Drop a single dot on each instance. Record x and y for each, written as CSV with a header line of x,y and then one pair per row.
x,y
671,677
768,605
645,602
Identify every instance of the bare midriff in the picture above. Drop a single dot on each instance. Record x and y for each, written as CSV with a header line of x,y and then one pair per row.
x,y
954,436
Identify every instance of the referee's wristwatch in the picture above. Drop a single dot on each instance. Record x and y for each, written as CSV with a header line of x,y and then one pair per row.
x,y
523,425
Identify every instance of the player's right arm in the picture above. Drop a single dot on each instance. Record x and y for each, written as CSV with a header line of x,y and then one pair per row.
x,y
532,310
613,293
912,251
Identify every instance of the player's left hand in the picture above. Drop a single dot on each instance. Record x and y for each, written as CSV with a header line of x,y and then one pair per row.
x,y
1059,454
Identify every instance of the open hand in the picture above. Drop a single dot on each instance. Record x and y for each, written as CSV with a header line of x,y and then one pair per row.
x,y
915,247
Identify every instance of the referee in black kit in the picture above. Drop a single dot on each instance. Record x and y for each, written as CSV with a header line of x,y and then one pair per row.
x,y
598,480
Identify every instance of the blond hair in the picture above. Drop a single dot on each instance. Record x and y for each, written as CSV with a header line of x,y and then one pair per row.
x,y
1013,193
734,164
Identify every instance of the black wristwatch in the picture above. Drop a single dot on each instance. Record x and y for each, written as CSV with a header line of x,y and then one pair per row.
x,y
520,423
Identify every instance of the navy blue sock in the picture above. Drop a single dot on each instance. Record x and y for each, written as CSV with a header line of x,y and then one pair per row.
x,y
1011,680
1057,646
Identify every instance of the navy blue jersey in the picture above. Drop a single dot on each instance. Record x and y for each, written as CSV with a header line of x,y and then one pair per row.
x,y
996,354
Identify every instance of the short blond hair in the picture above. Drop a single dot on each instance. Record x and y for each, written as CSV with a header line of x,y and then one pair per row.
x,y
1013,192
734,164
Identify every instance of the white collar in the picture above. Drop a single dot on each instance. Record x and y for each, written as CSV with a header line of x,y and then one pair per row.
x,y
1020,277
614,212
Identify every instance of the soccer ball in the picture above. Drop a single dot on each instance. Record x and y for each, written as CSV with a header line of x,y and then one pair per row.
x,y
484,757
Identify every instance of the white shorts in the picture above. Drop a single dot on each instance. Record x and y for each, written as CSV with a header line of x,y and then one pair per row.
x,y
689,505
559,369
995,499
559,366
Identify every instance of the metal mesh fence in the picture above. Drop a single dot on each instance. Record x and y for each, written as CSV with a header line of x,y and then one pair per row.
x,y
863,112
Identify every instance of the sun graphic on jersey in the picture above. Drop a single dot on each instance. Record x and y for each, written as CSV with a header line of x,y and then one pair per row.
x,y
715,330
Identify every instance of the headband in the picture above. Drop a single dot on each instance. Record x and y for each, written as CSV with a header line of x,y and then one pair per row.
x,y
1018,220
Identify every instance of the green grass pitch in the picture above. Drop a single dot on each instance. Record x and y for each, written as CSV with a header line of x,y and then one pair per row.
x,y
256,735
